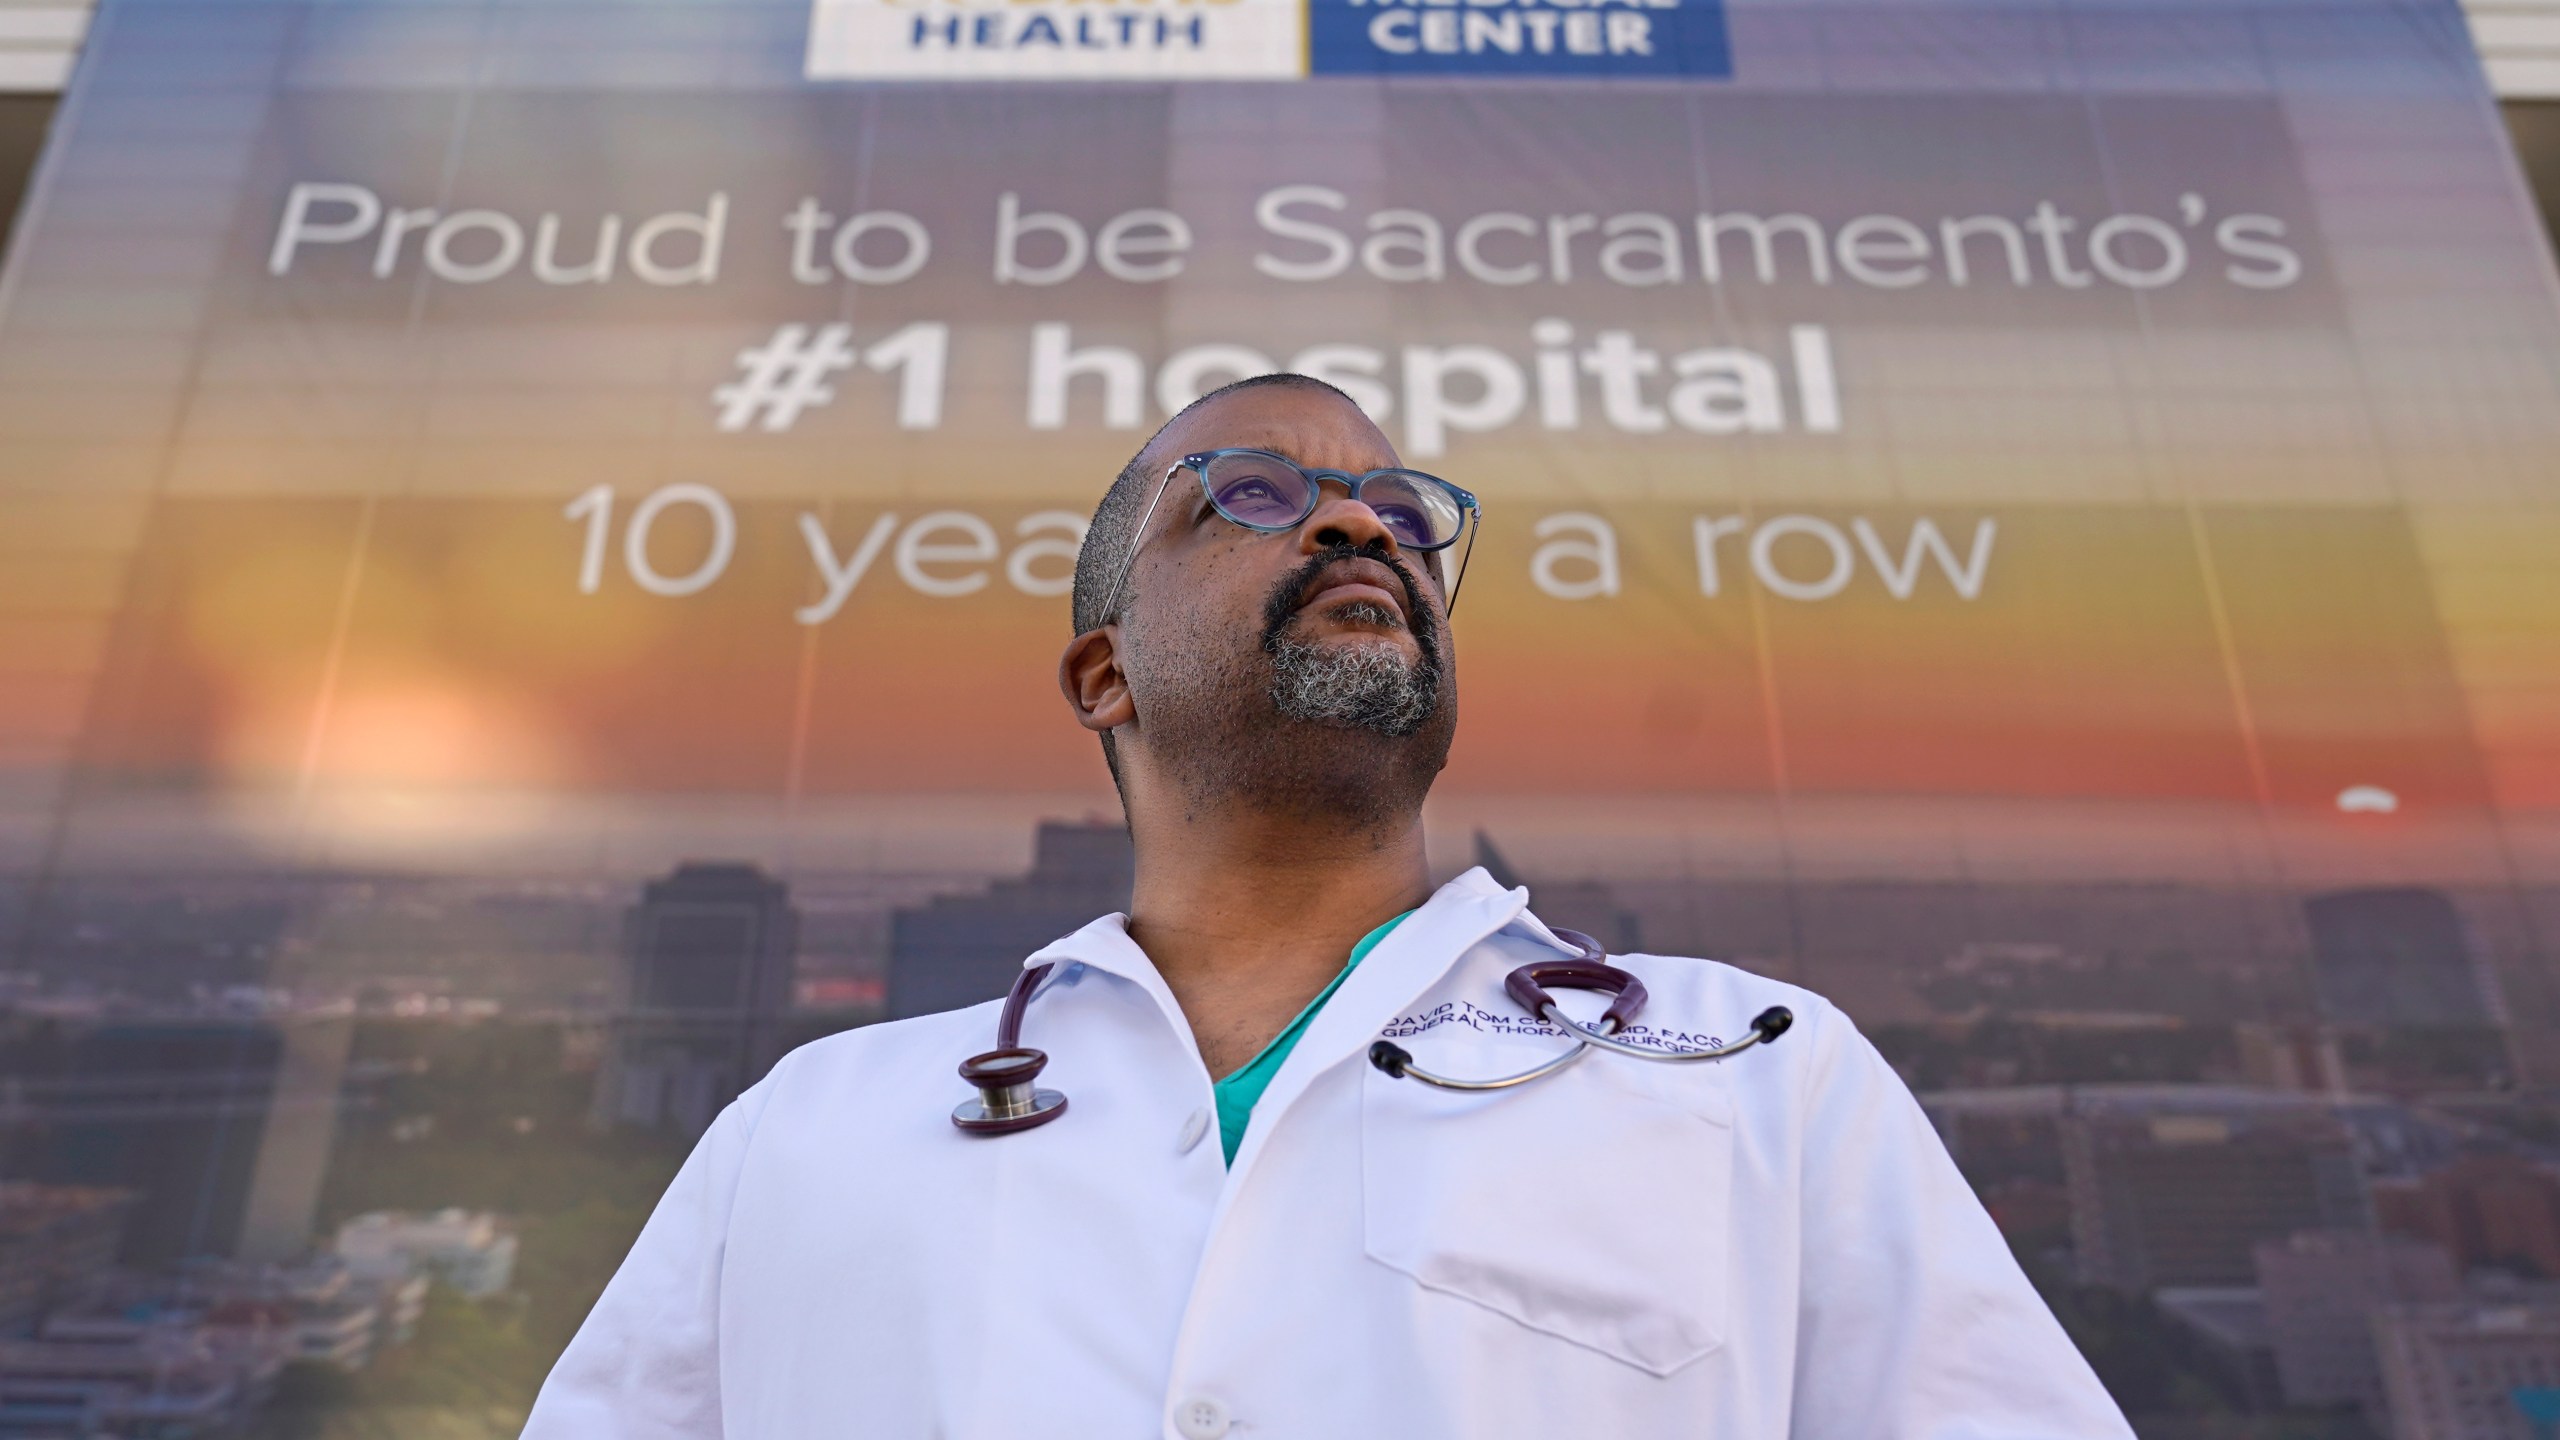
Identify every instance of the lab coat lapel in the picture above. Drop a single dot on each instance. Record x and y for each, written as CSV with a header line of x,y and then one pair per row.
x,y
1408,962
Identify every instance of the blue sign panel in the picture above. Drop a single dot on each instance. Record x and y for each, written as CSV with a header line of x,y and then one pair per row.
x,y
1592,39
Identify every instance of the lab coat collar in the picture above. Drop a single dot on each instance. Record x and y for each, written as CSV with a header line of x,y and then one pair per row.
x,y
1412,956
1104,944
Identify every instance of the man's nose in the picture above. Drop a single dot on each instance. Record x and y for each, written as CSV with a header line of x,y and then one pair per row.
x,y
1340,520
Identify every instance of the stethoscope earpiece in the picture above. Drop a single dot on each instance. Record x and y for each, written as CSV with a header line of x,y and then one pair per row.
x,y
1391,1057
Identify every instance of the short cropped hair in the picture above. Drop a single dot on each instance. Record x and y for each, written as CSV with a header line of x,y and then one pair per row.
x,y
1115,520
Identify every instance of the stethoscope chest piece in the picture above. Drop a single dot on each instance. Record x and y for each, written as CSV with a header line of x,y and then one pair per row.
x,y
1007,1100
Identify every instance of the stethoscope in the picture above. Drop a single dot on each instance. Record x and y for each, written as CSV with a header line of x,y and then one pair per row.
x,y
1007,1099
1589,970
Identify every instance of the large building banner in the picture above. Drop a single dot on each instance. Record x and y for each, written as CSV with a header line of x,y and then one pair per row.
x,y
534,541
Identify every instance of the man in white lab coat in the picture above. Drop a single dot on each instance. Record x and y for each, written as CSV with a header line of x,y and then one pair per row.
x,y
1241,1226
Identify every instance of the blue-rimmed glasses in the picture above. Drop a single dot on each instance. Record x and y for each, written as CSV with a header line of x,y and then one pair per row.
x,y
1272,493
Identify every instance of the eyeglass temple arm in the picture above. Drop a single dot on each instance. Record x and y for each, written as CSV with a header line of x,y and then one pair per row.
x,y
1138,537
1476,515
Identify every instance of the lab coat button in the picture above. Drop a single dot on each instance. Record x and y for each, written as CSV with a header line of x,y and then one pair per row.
x,y
1192,1129
1200,1419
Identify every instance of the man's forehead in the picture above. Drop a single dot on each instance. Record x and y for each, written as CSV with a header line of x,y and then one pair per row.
x,y
1310,426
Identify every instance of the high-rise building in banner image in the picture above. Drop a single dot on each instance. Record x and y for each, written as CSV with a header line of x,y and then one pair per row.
x,y
2177,1188
2493,1211
957,950
2396,957
709,956
2481,1368
2321,1288
220,1128
56,1243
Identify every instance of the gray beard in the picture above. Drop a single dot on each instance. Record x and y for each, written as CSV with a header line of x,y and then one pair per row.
x,y
1353,687
1350,728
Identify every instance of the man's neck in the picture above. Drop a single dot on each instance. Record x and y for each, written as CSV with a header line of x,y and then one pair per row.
x,y
1248,917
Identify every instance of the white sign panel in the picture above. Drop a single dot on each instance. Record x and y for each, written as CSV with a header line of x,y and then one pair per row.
x,y
1058,39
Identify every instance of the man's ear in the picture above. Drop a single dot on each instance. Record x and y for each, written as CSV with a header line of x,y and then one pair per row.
x,y
1089,676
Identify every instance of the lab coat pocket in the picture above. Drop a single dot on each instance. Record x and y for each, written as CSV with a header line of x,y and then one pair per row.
x,y
1588,1206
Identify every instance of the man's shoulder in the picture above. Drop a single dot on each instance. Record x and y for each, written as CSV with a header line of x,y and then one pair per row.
x,y
1719,983
1822,1049
893,1047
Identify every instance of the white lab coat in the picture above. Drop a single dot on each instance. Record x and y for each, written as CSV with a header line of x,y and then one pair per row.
x,y
1769,1246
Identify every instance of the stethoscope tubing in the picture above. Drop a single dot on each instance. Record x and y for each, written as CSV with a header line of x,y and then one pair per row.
x,y
1396,1061
1770,1024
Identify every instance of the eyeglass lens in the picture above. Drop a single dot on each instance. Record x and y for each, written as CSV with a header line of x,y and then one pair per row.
x,y
1269,493
1260,491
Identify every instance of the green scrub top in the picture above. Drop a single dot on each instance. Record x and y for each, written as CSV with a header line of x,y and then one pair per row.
x,y
1238,1093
